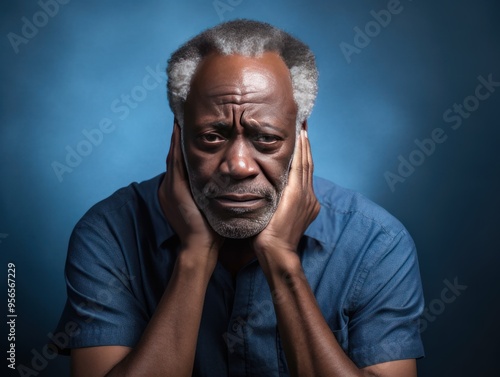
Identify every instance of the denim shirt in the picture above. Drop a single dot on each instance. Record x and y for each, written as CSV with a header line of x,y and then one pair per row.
x,y
360,262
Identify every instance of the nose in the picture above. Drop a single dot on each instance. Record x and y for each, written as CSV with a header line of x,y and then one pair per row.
x,y
238,162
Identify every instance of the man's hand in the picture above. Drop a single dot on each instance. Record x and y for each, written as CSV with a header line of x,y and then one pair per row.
x,y
196,235
168,344
298,206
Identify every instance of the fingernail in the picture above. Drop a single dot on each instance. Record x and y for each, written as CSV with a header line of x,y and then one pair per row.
x,y
305,133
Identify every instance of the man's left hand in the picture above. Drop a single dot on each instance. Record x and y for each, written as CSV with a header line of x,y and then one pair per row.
x,y
298,207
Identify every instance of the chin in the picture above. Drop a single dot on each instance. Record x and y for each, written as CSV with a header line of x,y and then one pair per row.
x,y
238,228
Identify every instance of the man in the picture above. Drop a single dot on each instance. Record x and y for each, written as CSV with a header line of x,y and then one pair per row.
x,y
236,262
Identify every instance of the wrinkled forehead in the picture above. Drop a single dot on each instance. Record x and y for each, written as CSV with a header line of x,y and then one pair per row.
x,y
262,83
217,73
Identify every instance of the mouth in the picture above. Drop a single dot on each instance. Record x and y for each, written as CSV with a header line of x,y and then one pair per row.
x,y
247,201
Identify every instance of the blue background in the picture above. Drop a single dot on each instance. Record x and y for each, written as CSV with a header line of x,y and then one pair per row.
x,y
369,111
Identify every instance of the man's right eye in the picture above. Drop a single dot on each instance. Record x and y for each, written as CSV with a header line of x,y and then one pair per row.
x,y
211,138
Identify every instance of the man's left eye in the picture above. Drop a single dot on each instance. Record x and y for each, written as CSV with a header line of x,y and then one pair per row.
x,y
266,139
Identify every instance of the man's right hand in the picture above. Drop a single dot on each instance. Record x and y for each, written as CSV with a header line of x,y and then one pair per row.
x,y
196,235
168,344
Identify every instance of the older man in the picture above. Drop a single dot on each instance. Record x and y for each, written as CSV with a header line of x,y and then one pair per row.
x,y
236,262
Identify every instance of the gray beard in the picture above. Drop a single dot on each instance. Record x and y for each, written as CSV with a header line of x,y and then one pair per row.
x,y
238,227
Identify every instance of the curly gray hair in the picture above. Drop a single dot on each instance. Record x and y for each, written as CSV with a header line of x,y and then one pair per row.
x,y
247,38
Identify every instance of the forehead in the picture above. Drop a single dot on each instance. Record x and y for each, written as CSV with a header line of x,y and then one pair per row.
x,y
238,78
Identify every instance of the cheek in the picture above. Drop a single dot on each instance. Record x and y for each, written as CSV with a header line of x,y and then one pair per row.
x,y
276,168
199,168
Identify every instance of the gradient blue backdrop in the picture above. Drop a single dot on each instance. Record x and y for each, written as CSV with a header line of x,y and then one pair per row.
x,y
65,79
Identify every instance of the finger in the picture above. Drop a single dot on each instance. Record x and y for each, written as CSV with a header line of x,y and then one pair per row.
x,y
305,162
296,169
303,168
180,167
308,153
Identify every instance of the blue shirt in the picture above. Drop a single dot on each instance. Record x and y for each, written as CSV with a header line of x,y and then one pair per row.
x,y
360,262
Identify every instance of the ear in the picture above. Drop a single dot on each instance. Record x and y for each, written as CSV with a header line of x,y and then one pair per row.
x,y
304,125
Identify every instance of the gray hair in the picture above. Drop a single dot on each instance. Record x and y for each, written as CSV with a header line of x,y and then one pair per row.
x,y
247,38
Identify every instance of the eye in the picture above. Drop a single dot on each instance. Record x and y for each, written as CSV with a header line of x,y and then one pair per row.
x,y
211,138
266,139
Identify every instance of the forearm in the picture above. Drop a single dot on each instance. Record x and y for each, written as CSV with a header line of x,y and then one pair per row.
x,y
167,346
310,346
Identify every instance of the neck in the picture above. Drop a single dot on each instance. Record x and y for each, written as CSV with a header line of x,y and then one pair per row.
x,y
235,254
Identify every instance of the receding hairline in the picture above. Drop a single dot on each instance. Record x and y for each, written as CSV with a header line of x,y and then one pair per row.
x,y
250,39
275,69
230,85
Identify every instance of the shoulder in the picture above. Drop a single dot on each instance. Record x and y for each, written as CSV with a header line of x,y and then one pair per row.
x,y
344,209
110,268
123,205
118,224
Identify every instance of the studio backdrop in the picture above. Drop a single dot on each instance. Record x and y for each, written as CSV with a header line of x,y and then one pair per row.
x,y
407,114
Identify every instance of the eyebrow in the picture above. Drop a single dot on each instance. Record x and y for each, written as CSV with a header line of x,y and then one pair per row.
x,y
218,125
254,124
223,126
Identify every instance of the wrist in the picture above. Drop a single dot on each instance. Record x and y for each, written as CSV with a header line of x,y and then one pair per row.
x,y
201,244
279,262
196,263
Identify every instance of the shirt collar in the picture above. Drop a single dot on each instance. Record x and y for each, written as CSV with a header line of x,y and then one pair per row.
x,y
316,229
321,228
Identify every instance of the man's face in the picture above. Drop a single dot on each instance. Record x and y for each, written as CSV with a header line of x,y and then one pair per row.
x,y
238,140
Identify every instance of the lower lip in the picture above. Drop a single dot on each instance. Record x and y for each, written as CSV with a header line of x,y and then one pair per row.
x,y
247,204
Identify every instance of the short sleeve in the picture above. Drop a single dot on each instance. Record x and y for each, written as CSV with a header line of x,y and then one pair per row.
x,y
384,325
101,308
